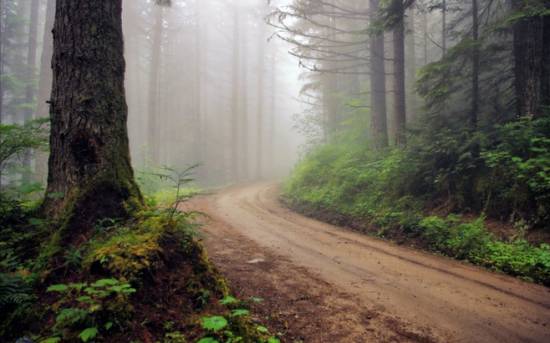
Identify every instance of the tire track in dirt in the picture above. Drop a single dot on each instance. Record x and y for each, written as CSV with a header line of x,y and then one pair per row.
x,y
354,288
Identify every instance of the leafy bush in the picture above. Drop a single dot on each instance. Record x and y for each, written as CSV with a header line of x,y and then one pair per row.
x,y
87,309
234,326
520,258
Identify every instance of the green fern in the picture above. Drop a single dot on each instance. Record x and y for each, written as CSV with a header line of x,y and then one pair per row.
x,y
13,291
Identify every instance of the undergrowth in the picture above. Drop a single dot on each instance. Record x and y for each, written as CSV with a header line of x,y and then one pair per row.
x,y
142,279
392,192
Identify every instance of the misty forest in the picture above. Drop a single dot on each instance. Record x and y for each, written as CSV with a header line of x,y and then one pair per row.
x,y
223,171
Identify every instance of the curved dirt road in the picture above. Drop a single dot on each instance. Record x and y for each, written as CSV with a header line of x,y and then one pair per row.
x,y
434,298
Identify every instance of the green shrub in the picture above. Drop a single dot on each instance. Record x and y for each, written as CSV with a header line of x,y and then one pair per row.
x,y
521,259
85,310
468,240
502,171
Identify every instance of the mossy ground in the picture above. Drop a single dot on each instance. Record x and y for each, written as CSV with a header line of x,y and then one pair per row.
x,y
157,254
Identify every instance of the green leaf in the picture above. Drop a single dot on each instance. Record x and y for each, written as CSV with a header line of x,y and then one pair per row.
x,y
77,286
84,299
58,288
262,329
105,282
240,312
273,340
228,300
108,326
207,340
51,340
214,323
70,316
88,334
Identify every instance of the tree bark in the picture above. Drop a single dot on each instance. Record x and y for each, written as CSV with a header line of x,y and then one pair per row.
x,y
400,115
529,59
379,122
90,175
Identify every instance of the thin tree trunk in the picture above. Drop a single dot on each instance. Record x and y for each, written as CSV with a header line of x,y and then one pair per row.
x,y
243,114
235,98
260,104
90,175
411,67
425,33
2,58
45,81
31,57
545,87
529,68
29,79
272,111
153,115
200,140
444,27
400,115
475,66
379,122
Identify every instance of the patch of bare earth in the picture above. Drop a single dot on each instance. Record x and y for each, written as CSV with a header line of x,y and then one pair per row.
x,y
297,304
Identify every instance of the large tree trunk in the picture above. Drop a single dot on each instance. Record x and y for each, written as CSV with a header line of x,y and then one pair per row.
x,y
528,55
400,115
90,175
379,122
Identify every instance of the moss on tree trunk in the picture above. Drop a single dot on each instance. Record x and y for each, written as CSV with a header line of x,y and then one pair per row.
x,y
90,175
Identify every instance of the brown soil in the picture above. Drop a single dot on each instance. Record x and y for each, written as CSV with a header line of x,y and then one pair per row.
x,y
323,283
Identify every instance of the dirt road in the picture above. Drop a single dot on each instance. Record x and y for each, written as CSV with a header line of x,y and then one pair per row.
x,y
335,285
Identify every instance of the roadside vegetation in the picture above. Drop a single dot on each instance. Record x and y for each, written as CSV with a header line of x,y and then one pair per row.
x,y
435,194
141,278
446,147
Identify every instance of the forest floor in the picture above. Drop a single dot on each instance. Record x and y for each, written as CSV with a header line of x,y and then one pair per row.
x,y
322,283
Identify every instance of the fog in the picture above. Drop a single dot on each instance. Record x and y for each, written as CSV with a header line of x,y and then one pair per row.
x,y
206,84
242,88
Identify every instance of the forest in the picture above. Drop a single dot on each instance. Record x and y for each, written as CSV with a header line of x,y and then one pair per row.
x,y
223,171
